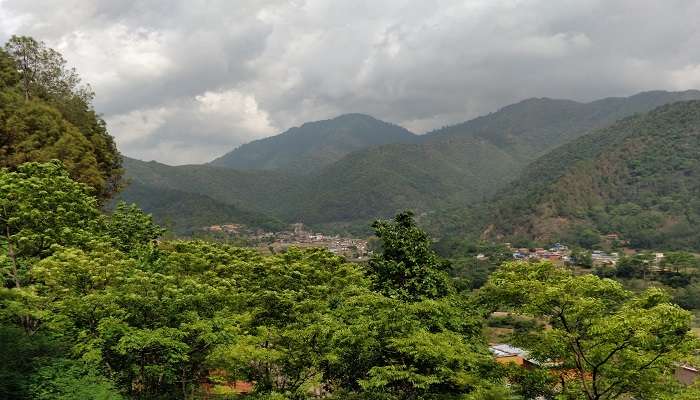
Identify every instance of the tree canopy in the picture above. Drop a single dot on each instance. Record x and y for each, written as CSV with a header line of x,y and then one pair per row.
x,y
95,307
604,341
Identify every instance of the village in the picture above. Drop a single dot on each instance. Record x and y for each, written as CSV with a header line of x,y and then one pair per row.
x,y
560,253
298,235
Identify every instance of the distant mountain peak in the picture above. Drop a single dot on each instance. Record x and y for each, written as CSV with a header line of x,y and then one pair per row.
x,y
315,144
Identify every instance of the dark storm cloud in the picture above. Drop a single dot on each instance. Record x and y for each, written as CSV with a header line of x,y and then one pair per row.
x,y
184,81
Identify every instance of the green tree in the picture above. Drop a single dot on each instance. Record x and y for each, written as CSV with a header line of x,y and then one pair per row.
x,y
678,261
43,70
407,350
8,70
412,337
614,343
407,268
41,206
65,379
582,258
130,228
288,321
635,266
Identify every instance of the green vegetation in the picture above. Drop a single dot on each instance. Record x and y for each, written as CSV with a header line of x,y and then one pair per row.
x,y
126,316
639,178
185,213
45,114
604,341
103,310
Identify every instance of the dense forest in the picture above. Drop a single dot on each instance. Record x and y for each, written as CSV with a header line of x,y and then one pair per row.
x,y
99,305
639,179
46,113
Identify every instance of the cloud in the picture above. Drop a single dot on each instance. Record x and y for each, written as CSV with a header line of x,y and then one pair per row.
x,y
191,130
184,81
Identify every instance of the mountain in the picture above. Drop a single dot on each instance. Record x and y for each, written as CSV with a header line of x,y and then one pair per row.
x,y
313,145
639,178
462,164
534,126
448,169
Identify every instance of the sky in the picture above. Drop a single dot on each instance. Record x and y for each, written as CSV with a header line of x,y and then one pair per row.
x,y
184,81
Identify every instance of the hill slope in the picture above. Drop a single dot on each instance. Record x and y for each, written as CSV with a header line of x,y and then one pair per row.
x,y
184,212
462,164
315,144
639,178
454,167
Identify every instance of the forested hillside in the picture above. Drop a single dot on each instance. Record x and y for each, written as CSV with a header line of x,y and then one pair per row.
x,y
46,113
307,148
456,166
639,178
184,213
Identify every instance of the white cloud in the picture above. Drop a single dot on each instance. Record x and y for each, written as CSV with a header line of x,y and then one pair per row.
x,y
240,109
138,124
117,55
688,76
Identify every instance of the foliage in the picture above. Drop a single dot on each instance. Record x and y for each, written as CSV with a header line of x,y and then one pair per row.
x,y
45,114
637,178
40,206
408,350
186,213
606,342
407,267
129,227
141,320
21,356
70,380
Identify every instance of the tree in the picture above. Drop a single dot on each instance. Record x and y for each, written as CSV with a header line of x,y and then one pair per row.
x,y
129,227
8,70
411,337
407,268
71,380
582,258
635,266
40,206
606,342
287,320
384,348
680,261
43,70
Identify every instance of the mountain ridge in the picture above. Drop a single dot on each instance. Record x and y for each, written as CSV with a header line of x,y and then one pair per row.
x,y
315,144
464,167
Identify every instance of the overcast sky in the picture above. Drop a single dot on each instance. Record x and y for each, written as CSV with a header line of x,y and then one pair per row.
x,y
186,81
